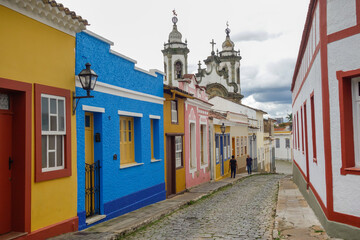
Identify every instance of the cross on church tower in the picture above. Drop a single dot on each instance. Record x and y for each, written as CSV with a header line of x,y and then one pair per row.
x,y
212,47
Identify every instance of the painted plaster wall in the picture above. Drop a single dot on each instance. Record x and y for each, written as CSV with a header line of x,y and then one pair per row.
x,y
30,47
239,131
311,48
200,173
122,189
316,170
340,15
283,153
226,105
346,188
175,128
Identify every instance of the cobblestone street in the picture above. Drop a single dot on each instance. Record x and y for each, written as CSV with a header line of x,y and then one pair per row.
x,y
243,211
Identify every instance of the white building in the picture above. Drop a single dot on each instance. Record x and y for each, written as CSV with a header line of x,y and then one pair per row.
x,y
283,143
326,115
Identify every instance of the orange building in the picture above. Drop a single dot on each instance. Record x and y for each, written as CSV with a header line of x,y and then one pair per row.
x,y
174,139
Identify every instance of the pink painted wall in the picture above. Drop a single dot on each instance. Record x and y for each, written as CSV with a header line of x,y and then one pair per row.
x,y
195,114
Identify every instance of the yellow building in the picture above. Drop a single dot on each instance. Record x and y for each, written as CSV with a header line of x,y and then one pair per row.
x,y
221,150
37,71
174,148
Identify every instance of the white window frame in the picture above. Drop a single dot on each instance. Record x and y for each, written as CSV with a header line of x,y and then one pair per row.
x,y
174,112
54,133
287,142
277,142
192,146
356,117
203,143
178,149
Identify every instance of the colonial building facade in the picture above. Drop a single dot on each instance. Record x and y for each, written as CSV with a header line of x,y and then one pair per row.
x,y
325,94
38,132
120,134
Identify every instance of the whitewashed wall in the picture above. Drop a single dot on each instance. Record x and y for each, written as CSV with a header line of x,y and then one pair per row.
x,y
342,55
341,14
283,153
311,84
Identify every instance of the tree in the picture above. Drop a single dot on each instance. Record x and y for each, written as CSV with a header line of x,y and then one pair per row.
x,y
289,117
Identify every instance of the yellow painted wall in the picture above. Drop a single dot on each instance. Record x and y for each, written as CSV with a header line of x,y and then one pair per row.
x,y
240,131
36,53
175,128
226,163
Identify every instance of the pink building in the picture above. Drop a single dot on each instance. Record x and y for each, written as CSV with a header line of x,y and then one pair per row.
x,y
197,160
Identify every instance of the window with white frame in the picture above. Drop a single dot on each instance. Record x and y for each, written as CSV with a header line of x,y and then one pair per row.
x,y
174,112
53,131
203,144
217,152
192,146
225,147
238,146
287,142
277,142
178,151
356,117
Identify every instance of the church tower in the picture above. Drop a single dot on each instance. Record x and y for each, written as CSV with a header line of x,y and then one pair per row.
x,y
175,56
221,77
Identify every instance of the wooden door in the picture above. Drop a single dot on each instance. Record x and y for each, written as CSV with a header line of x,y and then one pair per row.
x,y
127,140
170,166
89,138
89,164
5,167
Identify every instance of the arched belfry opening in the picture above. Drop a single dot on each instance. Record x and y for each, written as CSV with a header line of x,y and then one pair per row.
x,y
178,67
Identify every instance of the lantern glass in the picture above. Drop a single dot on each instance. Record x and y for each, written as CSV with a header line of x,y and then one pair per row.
x,y
222,128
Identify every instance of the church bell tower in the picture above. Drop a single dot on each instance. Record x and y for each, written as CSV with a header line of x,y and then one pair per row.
x,y
175,56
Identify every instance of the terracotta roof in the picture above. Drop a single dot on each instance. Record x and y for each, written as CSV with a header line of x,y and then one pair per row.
x,y
168,87
279,129
66,11
304,39
217,115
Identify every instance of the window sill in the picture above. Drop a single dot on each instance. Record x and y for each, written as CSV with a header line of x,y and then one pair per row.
x,y
155,160
351,170
123,166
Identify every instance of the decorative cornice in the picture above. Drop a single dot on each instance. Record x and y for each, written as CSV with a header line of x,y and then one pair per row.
x,y
123,92
198,103
49,13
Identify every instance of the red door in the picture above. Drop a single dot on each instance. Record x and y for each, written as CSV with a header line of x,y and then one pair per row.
x,y
5,172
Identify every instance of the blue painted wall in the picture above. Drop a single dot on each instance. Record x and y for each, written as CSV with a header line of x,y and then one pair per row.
x,y
122,190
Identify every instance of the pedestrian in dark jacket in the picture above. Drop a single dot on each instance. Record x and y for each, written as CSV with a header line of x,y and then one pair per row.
x,y
233,165
249,164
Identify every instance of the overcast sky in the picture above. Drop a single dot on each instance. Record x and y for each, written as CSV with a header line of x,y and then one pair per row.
x,y
267,32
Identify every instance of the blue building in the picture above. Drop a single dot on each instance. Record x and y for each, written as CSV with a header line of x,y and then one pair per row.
x,y
120,134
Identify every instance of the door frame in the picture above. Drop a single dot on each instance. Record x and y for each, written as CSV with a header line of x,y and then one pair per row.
x,y
22,128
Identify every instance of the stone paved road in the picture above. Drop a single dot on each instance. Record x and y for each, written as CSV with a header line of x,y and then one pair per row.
x,y
243,211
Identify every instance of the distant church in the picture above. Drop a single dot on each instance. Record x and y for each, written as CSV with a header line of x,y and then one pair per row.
x,y
221,77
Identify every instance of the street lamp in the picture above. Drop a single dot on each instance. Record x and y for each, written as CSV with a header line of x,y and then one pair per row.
x,y
223,128
87,79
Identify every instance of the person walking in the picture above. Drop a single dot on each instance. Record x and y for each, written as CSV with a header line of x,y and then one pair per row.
x,y
233,165
249,164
